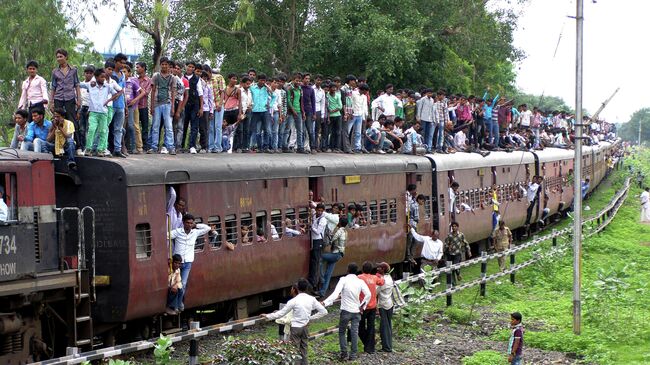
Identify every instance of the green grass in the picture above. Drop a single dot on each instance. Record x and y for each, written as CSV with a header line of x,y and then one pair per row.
x,y
487,357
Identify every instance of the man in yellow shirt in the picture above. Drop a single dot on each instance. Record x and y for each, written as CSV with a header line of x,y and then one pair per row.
x,y
60,138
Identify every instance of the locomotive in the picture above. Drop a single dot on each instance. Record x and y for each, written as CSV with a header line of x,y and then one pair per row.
x,y
84,253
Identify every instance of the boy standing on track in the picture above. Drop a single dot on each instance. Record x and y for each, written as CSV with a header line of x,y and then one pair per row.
x,y
302,306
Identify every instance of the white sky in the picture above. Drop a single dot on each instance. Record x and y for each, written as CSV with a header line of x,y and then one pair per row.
x,y
615,51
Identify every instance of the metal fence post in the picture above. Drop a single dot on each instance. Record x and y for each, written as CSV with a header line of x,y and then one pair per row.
x,y
512,264
483,271
449,275
194,345
554,238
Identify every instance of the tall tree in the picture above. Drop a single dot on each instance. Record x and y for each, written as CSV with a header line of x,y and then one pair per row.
x,y
20,43
630,130
151,18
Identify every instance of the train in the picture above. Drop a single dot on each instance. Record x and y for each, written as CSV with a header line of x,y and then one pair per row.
x,y
85,253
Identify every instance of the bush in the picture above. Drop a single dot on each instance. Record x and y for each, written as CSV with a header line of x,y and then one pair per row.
x,y
458,315
487,357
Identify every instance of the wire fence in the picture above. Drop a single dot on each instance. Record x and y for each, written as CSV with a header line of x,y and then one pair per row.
x,y
592,225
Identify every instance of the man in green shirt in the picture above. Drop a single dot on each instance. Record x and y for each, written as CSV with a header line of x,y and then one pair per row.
x,y
295,116
333,126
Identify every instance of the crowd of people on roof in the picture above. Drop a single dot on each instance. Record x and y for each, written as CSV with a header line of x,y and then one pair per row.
x,y
118,109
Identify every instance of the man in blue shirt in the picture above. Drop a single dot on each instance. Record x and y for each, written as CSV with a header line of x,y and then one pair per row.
x,y
118,106
37,131
585,188
260,117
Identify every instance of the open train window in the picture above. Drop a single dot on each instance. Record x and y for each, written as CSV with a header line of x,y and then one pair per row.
x,y
231,229
215,239
427,207
200,241
383,211
8,189
442,204
276,224
392,208
260,224
372,212
303,216
363,214
291,215
247,233
142,240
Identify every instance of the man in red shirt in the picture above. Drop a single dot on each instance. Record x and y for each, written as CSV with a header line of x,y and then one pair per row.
x,y
367,325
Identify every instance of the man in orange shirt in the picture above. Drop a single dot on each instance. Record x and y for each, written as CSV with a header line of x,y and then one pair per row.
x,y
367,325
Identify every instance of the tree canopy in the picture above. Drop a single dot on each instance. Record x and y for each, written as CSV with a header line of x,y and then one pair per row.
x,y
630,130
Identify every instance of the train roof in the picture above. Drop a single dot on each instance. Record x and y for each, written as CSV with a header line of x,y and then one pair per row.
x,y
12,154
554,154
456,161
165,169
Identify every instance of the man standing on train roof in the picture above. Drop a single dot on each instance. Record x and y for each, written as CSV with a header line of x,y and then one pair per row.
x,y
175,209
184,242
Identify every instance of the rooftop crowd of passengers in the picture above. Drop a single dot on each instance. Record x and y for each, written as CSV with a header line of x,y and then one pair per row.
x,y
117,109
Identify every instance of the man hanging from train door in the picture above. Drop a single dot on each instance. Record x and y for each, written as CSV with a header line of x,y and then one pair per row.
x,y
531,195
317,231
175,209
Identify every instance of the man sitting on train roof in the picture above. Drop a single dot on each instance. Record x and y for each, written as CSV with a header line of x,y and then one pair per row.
x,y
37,131
60,138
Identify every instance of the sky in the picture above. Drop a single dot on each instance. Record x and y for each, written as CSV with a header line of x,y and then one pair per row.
x,y
615,51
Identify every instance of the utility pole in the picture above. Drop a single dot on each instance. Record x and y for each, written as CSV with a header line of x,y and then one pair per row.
x,y
577,181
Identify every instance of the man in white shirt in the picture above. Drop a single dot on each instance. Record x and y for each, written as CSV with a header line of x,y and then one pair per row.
x,y
525,116
319,222
349,288
302,306
645,206
320,115
385,305
184,242
386,103
531,196
4,210
432,249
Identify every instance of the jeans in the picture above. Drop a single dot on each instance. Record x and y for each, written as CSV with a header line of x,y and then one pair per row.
x,y
192,119
367,330
186,267
314,262
354,319
428,134
536,134
261,122
284,131
355,126
440,136
310,127
386,329
516,361
214,140
225,143
242,137
163,111
175,300
118,128
68,148
83,127
455,259
330,260
130,130
143,114
494,131
275,126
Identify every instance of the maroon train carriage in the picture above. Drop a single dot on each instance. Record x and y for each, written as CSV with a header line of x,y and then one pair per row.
x,y
41,308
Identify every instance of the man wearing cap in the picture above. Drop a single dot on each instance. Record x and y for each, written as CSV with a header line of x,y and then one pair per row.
x,y
385,305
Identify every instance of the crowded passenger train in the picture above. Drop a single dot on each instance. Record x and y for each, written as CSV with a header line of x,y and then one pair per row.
x,y
90,248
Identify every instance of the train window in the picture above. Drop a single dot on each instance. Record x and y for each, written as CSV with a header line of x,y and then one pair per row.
x,y
427,207
303,216
442,204
260,224
142,241
392,208
8,187
231,229
372,213
291,215
276,224
215,239
247,229
383,211
200,241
